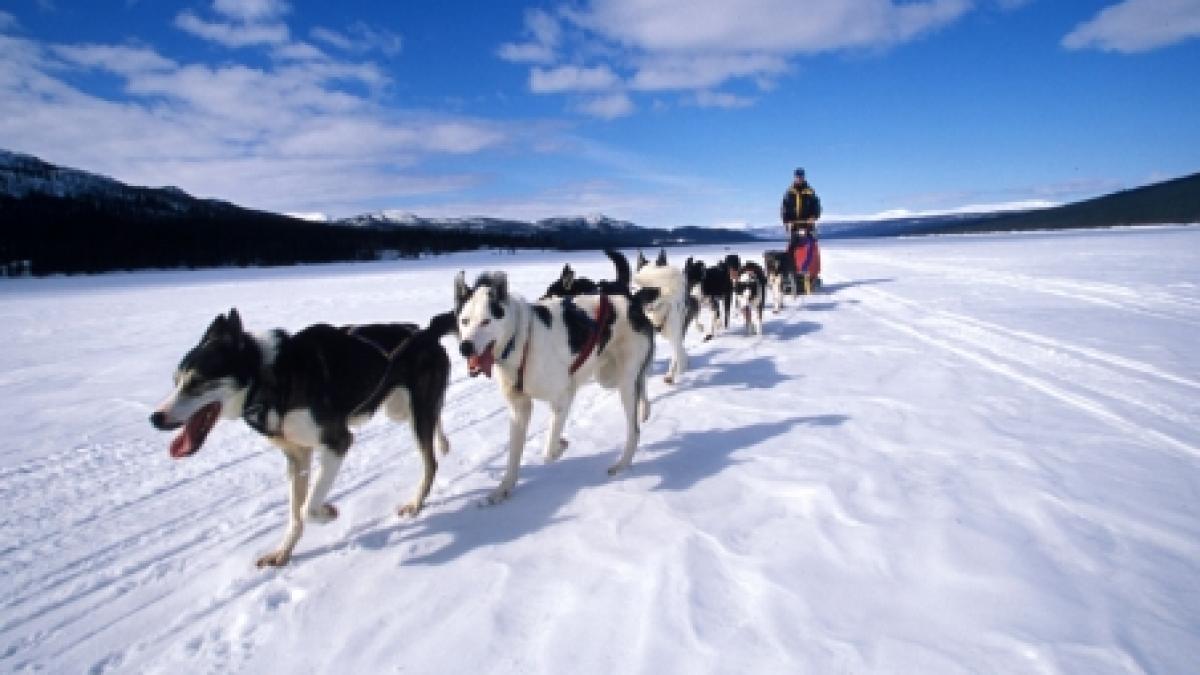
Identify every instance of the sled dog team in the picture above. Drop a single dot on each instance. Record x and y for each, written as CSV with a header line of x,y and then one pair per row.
x,y
304,391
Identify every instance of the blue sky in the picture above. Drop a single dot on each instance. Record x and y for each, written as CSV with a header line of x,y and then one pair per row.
x,y
664,112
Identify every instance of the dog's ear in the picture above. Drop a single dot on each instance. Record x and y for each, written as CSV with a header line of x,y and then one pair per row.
x,y
567,277
499,293
662,258
461,292
234,322
499,286
217,329
641,261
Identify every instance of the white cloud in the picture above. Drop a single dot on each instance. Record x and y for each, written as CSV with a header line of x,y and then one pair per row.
x,y
249,11
118,59
607,107
1138,26
696,46
291,135
717,99
702,71
360,38
232,34
299,51
571,78
779,26
545,34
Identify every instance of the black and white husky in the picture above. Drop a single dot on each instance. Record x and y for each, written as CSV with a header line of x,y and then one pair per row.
x,y
781,275
303,392
713,288
549,349
663,294
750,295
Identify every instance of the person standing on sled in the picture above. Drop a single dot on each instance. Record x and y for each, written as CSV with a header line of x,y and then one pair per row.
x,y
800,210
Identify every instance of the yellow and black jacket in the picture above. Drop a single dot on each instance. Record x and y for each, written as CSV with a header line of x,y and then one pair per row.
x,y
800,203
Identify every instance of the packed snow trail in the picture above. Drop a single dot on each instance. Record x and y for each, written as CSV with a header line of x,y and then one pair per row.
x,y
968,454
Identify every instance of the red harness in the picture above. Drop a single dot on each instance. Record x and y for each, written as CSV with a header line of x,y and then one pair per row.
x,y
602,313
603,310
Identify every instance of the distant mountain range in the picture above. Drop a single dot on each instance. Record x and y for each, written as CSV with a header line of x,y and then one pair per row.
x,y
1175,201
58,219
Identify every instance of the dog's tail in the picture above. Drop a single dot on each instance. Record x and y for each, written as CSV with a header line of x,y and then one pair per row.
x,y
441,325
621,263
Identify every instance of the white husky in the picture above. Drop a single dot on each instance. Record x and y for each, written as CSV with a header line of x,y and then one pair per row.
x,y
662,291
547,351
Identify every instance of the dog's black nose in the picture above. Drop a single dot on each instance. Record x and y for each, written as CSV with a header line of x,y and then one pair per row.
x,y
467,348
159,420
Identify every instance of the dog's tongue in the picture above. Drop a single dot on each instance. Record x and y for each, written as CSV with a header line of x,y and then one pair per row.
x,y
482,362
195,431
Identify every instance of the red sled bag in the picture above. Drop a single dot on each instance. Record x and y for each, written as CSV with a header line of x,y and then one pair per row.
x,y
808,259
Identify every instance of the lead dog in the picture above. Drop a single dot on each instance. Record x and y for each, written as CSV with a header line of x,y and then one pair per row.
x,y
663,294
547,351
781,275
750,294
303,391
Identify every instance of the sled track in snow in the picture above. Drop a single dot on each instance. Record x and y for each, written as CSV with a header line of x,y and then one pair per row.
x,y
1154,302
1114,389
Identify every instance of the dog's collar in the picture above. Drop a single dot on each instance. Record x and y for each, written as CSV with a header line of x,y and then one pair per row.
x,y
256,409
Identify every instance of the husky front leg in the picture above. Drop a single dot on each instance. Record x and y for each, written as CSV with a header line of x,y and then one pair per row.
x,y
520,407
715,306
679,357
299,460
555,443
330,456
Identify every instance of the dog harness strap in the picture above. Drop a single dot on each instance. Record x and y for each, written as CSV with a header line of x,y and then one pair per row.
x,y
255,410
524,357
602,312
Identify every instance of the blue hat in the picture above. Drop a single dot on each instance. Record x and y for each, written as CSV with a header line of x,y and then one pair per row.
x,y
799,172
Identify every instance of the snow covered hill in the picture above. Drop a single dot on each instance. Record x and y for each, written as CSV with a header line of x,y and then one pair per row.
x,y
22,175
969,454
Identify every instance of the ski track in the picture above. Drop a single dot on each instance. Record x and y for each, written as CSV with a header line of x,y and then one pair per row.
x,y
115,544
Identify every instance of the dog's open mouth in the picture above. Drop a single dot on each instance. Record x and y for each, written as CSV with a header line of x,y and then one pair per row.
x,y
483,361
195,431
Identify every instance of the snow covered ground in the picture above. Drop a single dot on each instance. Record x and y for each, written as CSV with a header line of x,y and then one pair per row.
x,y
970,454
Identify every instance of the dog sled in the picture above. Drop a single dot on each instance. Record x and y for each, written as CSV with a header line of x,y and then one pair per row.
x,y
806,257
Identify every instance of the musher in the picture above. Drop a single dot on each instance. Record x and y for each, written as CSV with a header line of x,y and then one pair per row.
x,y
800,210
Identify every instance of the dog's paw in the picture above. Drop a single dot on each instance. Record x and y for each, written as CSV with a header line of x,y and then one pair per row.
x,y
554,453
327,513
669,379
707,338
498,495
409,510
617,468
274,559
